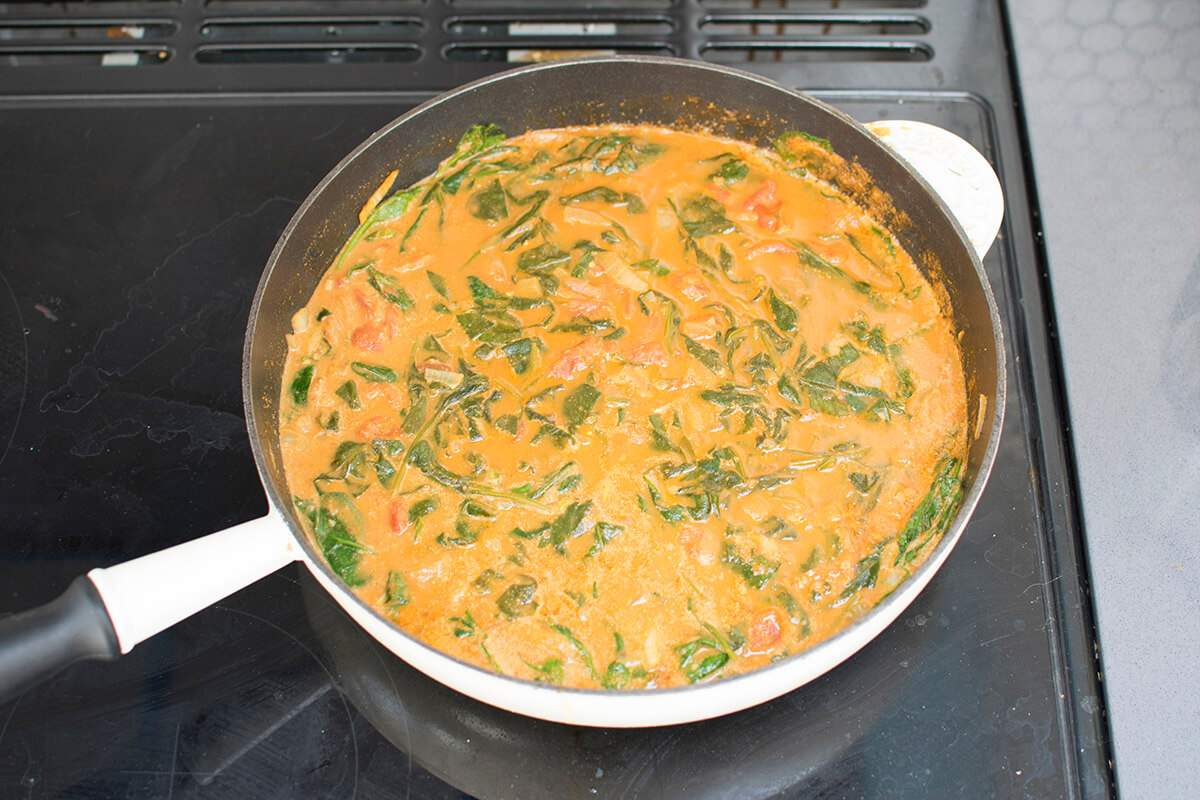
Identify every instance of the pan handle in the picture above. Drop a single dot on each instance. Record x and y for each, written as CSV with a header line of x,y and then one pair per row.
x,y
958,172
108,611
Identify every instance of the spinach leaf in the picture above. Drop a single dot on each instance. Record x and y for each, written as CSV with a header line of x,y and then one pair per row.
x,y
710,358
653,266
616,676
517,600
550,670
535,202
865,573
464,535
578,404
658,436
476,139
602,534
732,396
542,259
389,288
604,194
872,337
785,315
374,373
863,482
756,569
486,580
585,326
464,625
388,210
557,532
395,592
934,513
438,283
703,216
808,257
300,385
348,391
421,456
422,508
489,203
703,656
732,169
480,291
340,548
478,326
564,631
518,354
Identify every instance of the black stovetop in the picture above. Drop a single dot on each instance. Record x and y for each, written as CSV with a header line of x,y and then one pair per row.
x,y
143,182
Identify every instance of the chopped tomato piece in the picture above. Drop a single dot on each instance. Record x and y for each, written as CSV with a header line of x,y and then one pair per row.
x,y
367,337
651,352
764,630
379,428
363,301
575,359
770,247
764,203
586,288
584,307
398,516
703,326
690,285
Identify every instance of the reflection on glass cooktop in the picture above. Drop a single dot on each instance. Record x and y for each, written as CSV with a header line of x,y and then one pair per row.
x,y
134,235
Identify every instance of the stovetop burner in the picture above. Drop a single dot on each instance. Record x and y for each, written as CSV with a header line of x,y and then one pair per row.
x,y
150,155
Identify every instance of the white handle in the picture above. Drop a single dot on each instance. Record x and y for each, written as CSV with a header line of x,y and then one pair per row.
x,y
958,172
152,593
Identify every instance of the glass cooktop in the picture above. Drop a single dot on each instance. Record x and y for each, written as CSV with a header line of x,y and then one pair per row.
x,y
134,227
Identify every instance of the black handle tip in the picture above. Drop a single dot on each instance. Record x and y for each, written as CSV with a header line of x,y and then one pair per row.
x,y
36,644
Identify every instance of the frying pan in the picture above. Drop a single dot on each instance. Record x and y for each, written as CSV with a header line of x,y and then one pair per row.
x,y
110,610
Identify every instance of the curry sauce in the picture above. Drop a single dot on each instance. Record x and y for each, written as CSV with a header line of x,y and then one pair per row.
x,y
623,407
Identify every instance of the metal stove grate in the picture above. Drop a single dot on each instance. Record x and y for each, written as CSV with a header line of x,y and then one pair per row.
x,y
255,45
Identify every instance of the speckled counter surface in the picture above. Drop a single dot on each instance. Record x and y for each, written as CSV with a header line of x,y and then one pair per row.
x,y
1112,98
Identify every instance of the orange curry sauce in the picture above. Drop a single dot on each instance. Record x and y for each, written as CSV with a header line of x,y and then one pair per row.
x,y
623,407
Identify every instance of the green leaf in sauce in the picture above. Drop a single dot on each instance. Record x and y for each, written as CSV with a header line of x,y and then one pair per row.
x,y
703,216
300,384
604,194
420,509
808,257
756,569
395,592
710,358
602,534
579,402
463,626
374,373
550,670
935,511
866,572
785,315
517,600
340,548
489,203
389,288
616,676
464,535
438,283
565,632
348,391
703,656
518,354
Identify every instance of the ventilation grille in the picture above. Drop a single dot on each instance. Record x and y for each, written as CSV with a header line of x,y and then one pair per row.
x,y
277,44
